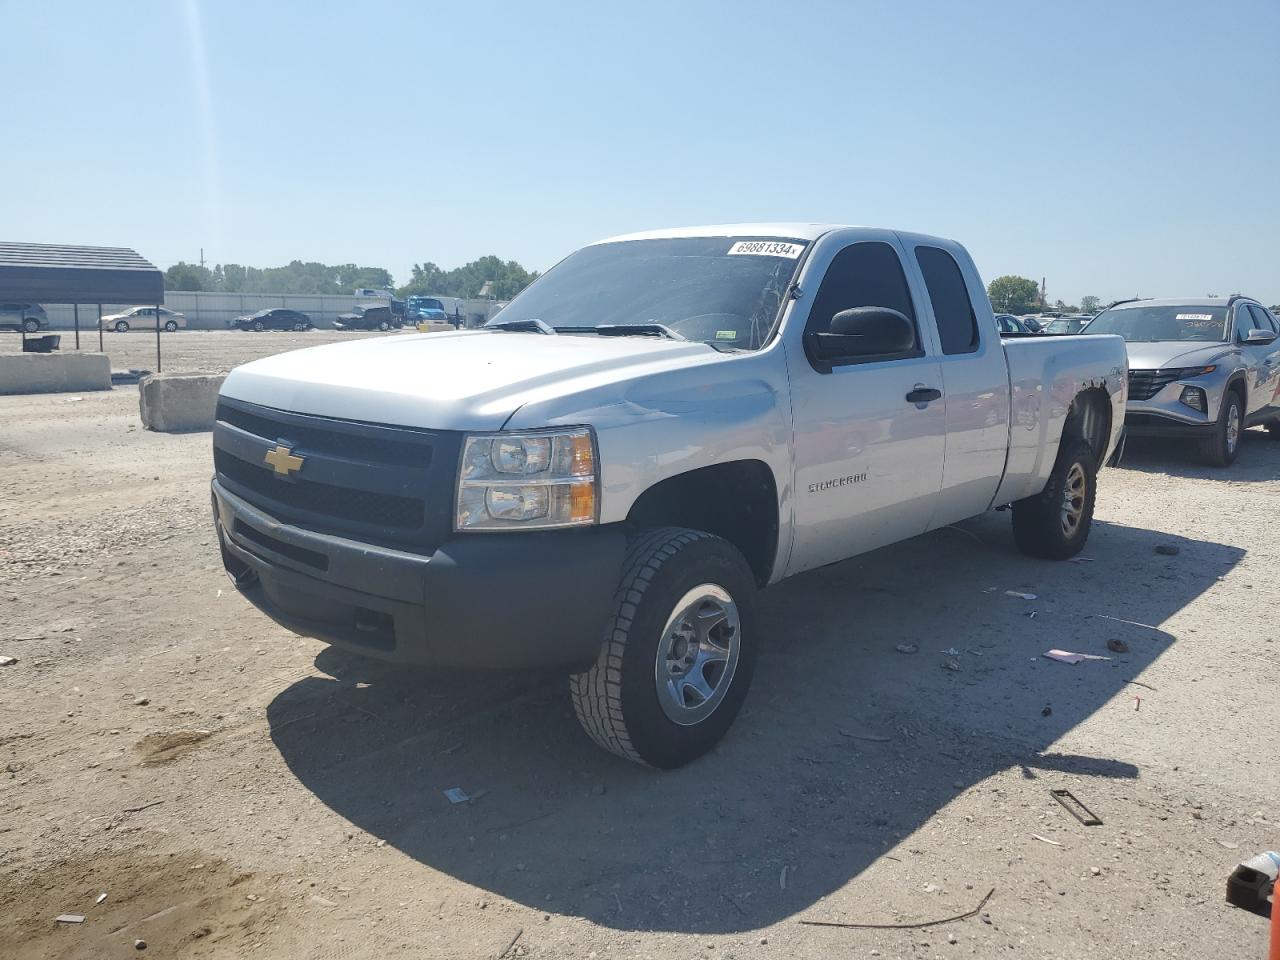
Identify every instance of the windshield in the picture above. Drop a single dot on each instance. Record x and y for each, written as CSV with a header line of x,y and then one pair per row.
x,y
425,303
1148,324
724,291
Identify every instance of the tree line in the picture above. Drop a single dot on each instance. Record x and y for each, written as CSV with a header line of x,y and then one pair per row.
x,y
1018,295
486,277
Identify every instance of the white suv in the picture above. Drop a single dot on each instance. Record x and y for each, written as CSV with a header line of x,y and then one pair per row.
x,y
23,316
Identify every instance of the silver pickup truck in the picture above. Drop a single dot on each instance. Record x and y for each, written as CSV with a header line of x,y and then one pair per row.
x,y
661,425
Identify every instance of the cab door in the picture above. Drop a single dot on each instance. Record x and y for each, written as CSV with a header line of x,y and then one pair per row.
x,y
975,377
1263,360
868,431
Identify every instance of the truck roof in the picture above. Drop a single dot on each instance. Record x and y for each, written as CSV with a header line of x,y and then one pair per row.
x,y
781,230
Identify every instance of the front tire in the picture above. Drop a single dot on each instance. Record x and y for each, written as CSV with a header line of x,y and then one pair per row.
x,y
171,326
1054,524
122,326
257,326
679,650
31,325
1221,449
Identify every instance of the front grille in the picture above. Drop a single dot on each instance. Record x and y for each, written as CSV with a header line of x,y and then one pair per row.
x,y
1145,384
319,440
370,482
358,506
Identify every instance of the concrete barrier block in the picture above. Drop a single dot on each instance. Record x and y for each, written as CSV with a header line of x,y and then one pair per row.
x,y
175,402
54,372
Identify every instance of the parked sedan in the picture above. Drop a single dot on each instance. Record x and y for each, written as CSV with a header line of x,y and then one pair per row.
x,y
274,318
377,317
28,317
1201,368
1011,326
1064,325
144,318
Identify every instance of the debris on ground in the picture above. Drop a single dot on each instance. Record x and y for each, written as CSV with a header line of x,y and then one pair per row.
x,y
1117,646
8,661
1066,656
1047,711
1036,836
950,652
872,737
904,926
456,795
1020,595
141,701
69,918
101,897
1075,806
1167,550
1082,559
907,648
952,665
139,944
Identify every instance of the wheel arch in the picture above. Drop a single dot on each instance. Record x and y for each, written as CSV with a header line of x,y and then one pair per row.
x,y
737,501
1089,419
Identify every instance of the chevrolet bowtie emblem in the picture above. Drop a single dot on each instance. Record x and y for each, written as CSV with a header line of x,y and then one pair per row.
x,y
282,460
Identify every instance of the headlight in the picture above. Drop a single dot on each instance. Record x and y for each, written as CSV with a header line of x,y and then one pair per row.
x,y
526,481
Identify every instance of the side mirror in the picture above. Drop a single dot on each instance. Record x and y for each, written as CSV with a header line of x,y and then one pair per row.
x,y
1257,335
863,333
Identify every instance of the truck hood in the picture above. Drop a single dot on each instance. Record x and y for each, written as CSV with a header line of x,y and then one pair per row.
x,y
1163,354
470,380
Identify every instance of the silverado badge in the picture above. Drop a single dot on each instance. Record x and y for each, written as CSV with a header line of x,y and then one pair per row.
x,y
282,460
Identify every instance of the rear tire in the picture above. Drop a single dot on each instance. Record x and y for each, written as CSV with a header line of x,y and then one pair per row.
x,y
384,326
122,327
171,326
257,326
31,325
679,650
1054,525
1221,449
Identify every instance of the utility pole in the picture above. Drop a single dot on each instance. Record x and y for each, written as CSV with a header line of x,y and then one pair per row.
x,y
202,258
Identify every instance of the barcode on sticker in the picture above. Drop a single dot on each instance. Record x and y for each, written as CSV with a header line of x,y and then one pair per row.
x,y
766,248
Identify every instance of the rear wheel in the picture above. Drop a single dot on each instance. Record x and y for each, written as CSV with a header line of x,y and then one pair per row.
x,y
122,326
1222,448
171,326
1055,523
257,326
384,326
678,653
31,325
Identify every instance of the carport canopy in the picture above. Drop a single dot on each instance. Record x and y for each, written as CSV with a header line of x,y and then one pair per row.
x,y
53,273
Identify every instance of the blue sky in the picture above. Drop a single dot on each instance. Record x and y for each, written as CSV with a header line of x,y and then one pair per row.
x,y
1116,148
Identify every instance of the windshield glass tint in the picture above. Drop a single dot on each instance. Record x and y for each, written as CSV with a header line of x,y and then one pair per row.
x,y
1208,324
725,291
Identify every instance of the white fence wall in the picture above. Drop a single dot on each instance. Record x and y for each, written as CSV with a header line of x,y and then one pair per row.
x,y
215,311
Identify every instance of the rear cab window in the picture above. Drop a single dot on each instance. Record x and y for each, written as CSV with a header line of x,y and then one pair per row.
x,y
952,307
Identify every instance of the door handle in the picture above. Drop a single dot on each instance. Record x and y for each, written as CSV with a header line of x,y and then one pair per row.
x,y
923,395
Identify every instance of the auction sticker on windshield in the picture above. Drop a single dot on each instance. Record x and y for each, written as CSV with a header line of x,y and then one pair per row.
x,y
766,248
1195,316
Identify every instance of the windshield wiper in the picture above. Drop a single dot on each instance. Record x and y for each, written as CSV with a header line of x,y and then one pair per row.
x,y
636,329
532,325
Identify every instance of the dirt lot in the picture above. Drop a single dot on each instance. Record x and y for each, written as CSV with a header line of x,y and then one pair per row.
x,y
238,791
191,351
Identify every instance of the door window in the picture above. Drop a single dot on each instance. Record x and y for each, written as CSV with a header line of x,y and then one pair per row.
x,y
861,275
1261,319
952,308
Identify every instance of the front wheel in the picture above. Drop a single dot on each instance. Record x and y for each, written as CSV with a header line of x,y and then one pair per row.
x,y
122,327
384,326
1055,523
171,326
1222,448
678,653
31,325
257,326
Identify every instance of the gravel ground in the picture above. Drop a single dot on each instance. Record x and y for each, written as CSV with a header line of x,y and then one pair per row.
x,y
236,791
199,351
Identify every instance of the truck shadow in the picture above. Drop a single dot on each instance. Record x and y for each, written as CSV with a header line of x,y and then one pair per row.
x,y
845,748
1258,462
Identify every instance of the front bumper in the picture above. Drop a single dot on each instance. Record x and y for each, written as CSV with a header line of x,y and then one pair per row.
x,y
478,601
